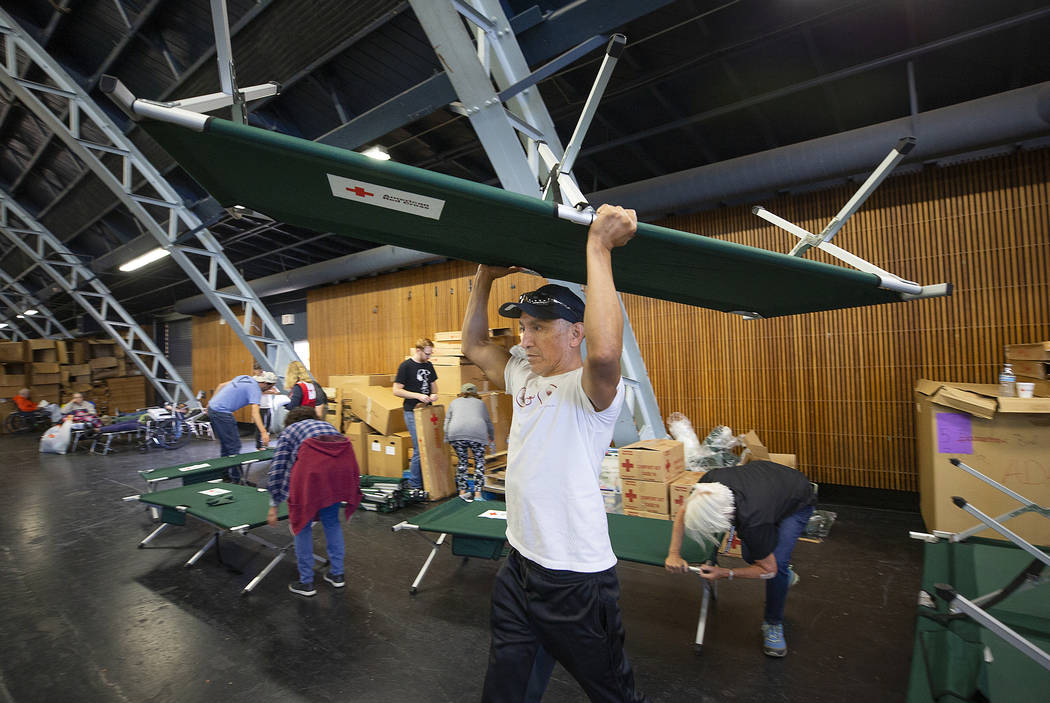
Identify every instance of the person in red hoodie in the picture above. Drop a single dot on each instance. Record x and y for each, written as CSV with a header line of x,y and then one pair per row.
x,y
315,470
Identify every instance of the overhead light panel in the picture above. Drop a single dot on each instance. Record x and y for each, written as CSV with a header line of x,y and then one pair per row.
x,y
147,258
3,325
377,152
31,311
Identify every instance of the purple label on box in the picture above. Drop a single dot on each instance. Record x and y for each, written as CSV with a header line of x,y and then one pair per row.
x,y
954,434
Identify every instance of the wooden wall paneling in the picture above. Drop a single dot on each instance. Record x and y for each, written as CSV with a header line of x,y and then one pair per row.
x,y
218,355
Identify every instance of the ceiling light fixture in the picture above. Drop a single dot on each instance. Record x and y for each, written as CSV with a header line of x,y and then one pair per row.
x,y
377,152
147,258
30,311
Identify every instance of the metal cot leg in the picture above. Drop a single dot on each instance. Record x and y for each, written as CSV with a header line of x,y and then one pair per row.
x,y
202,550
414,588
153,534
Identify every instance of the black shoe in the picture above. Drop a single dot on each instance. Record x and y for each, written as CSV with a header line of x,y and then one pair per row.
x,y
303,589
337,580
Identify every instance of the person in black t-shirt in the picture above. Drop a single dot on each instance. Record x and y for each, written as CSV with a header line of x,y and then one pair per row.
x,y
769,505
416,382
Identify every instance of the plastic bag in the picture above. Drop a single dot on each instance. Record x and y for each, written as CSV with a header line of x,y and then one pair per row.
x,y
56,439
716,450
682,430
820,522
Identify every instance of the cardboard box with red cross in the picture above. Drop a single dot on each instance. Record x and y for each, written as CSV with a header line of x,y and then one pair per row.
x,y
658,460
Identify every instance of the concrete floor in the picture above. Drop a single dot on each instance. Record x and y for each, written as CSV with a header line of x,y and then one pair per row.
x,y
85,616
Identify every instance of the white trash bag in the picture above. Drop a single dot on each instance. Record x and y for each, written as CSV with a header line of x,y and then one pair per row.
x,y
56,439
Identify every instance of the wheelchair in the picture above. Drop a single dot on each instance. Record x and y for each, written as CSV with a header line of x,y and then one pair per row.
x,y
166,428
20,421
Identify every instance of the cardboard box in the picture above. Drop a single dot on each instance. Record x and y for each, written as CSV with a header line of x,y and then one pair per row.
x,y
1039,351
501,411
9,392
658,460
642,513
397,450
648,496
433,453
731,545
45,354
46,378
103,362
451,378
14,351
680,488
1006,439
45,367
10,379
35,344
377,464
379,407
357,432
375,379
48,392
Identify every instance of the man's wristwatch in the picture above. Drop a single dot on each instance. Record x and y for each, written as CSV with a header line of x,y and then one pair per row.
x,y
730,574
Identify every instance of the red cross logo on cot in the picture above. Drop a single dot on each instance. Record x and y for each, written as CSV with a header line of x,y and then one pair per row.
x,y
360,192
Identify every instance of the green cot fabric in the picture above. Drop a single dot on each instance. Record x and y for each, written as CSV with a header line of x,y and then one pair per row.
x,y
250,505
637,539
948,658
213,467
287,178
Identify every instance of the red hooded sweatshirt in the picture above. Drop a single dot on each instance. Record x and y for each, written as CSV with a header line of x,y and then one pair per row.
x,y
325,472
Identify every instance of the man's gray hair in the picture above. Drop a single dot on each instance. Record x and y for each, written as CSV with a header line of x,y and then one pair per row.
x,y
709,512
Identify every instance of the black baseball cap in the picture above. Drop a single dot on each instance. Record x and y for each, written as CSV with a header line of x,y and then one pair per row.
x,y
549,302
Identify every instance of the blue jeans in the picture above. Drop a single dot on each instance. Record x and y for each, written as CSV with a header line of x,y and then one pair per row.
x,y
224,425
788,532
415,471
333,537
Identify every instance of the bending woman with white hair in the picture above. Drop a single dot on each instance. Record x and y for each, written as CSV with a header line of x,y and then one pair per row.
x,y
769,505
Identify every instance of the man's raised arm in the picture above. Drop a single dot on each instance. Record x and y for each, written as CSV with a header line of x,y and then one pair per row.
x,y
490,358
602,320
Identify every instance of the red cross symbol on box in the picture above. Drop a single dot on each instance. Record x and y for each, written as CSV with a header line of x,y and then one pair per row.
x,y
360,192
433,419
679,499
630,495
667,464
627,464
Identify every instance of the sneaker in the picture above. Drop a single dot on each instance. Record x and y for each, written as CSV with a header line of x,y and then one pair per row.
x,y
303,589
793,576
466,497
773,644
337,580
478,496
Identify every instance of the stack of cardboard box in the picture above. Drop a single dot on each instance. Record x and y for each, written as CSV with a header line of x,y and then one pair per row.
x,y
647,470
53,370
373,419
1031,363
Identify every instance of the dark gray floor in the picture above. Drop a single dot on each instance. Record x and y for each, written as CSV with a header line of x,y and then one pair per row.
x,y
85,616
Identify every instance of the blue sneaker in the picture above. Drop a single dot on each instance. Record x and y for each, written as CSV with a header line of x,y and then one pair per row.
x,y
773,644
793,576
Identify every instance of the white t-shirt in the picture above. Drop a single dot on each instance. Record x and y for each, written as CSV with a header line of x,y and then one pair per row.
x,y
555,512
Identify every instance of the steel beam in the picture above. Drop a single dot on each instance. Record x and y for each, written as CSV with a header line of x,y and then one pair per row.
x,y
203,264
80,283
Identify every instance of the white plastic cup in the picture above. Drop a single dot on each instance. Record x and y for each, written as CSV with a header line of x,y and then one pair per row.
x,y
1025,390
